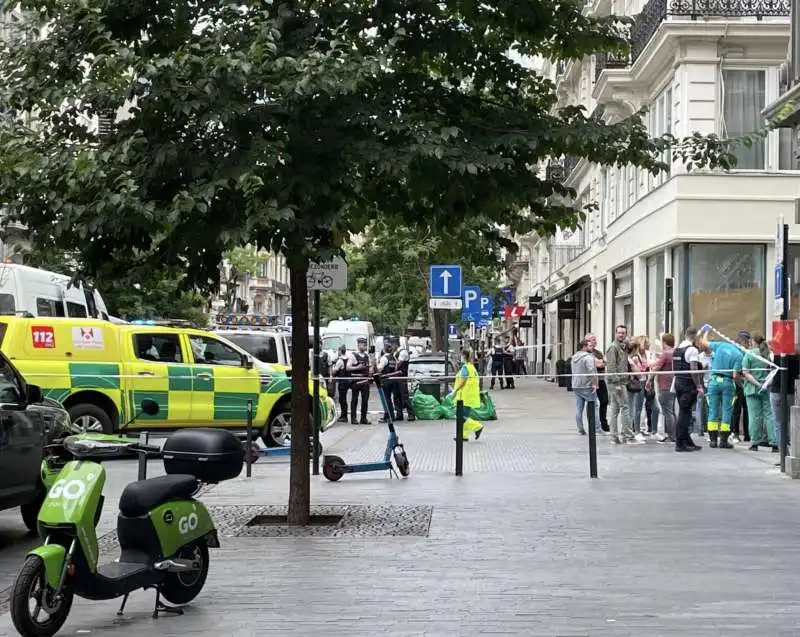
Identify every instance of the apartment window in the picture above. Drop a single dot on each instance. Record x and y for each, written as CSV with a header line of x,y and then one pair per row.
x,y
262,269
744,99
661,124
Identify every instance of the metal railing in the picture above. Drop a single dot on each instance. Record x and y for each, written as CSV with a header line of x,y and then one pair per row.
x,y
657,11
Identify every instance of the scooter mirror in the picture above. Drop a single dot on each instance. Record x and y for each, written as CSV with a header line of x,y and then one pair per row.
x,y
149,407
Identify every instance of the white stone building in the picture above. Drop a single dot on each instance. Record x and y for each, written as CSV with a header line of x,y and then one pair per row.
x,y
697,65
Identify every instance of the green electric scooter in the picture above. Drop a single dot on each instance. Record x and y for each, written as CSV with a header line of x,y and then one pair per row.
x,y
164,533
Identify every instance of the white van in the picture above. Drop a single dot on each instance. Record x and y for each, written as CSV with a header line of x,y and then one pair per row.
x,y
42,293
347,333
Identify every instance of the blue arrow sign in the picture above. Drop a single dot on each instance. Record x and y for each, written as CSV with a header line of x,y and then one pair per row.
x,y
471,309
445,281
452,330
778,281
487,305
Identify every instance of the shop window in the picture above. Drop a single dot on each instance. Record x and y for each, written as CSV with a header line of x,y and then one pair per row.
x,y
726,286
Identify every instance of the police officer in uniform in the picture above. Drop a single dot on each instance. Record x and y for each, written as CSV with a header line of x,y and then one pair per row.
x,y
402,398
498,353
358,370
342,381
387,367
688,387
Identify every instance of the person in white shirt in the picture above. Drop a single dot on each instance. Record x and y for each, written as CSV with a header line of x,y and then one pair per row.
x,y
339,375
358,367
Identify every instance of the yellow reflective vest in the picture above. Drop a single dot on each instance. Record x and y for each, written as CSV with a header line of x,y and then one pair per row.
x,y
468,386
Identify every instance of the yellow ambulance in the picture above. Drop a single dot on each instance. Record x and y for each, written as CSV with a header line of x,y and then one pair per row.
x,y
101,371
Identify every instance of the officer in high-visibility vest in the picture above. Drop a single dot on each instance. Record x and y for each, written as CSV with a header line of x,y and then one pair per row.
x,y
726,368
467,389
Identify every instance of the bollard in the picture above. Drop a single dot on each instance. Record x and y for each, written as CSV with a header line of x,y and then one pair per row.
x,y
248,453
590,417
460,438
144,439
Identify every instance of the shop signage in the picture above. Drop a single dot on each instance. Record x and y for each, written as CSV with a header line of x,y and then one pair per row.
x,y
526,321
567,310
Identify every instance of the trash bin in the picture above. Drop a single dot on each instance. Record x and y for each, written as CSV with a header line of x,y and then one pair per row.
x,y
431,389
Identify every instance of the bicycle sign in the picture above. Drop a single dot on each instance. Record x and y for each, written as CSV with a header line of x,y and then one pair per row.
x,y
328,276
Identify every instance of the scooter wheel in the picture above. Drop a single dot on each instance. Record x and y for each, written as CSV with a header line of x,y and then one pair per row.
x,y
401,460
31,584
332,468
182,588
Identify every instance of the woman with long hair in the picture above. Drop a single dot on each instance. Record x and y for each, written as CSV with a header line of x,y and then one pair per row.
x,y
755,372
639,366
701,410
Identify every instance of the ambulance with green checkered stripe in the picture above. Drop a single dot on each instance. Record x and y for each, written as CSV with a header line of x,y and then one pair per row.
x,y
101,372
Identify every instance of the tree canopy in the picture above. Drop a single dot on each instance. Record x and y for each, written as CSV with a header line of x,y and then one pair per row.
x,y
292,125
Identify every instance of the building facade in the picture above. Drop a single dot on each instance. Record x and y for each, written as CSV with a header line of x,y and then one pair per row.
x,y
697,67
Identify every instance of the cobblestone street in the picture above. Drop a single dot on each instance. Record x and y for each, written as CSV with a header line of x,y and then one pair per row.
x,y
525,543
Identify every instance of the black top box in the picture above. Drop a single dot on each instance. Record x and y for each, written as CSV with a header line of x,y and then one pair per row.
x,y
210,455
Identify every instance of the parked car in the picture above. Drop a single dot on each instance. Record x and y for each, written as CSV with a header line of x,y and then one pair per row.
x,y
28,422
101,372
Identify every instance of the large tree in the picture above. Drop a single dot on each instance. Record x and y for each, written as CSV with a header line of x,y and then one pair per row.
x,y
292,125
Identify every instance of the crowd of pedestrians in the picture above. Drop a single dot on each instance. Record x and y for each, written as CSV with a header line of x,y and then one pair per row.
x,y
637,391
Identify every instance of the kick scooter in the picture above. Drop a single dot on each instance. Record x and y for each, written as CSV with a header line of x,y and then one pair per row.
x,y
334,467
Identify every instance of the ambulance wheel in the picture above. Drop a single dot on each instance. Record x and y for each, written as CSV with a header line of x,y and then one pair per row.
x,y
332,468
278,432
88,417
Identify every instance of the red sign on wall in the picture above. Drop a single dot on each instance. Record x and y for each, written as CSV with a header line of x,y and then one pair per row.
x,y
784,338
43,337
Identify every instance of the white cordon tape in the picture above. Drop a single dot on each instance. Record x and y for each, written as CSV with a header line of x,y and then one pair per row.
x,y
709,328
356,378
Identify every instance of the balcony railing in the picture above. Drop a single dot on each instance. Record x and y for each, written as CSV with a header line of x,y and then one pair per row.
x,y
605,60
657,11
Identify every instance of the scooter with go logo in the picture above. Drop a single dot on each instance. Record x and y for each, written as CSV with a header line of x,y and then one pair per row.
x,y
164,533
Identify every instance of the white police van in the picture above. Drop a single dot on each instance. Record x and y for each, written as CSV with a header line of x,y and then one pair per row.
x,y
26,290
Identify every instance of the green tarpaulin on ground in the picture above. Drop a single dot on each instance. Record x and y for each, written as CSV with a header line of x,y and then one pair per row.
x,y
428,408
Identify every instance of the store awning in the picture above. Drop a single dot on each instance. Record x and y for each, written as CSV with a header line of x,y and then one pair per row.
x,y
576,285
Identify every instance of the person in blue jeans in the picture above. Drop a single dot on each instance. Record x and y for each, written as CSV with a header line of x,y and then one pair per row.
x,y
584,386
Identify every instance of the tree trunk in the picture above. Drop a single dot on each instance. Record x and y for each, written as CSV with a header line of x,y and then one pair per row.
x,y
437,324
299,476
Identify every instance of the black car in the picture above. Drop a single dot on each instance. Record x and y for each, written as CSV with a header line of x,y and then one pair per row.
x,y
28,422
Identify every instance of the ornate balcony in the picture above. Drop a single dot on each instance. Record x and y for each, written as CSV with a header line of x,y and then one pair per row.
x,y
604,61
657,11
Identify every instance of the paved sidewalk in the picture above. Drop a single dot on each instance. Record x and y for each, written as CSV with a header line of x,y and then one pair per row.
x,y
524,544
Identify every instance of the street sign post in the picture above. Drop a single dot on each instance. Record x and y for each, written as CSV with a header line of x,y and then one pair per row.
x,y
445,285
445,281
486,310
445,304
328,276
782,309
778,289
472,300
472,330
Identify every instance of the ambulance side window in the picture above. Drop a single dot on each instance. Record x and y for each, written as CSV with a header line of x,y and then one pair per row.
x,y
49,307
159,348
76,310
210,351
